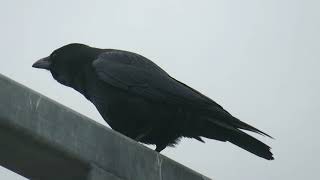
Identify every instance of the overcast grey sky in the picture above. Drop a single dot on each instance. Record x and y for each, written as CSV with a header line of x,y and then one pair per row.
x,y
258,58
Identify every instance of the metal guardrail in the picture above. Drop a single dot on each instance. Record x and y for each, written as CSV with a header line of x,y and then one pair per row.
x,y
41,139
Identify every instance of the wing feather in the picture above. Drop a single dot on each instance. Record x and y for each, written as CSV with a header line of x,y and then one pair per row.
x,y
136,74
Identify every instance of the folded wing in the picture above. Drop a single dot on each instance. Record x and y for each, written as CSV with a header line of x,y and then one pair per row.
x,y
136,74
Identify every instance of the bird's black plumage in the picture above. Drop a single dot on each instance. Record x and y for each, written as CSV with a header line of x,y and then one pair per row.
x,y
139,99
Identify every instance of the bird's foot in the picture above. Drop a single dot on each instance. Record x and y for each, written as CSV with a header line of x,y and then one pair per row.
x,y
160,147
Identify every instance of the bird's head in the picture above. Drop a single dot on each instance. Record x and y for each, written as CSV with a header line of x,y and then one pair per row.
x,y
66,62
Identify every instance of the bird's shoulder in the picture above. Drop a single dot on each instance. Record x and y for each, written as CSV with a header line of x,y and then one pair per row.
x,y
121,58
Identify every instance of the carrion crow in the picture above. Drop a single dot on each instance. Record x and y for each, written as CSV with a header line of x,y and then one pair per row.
x,y
140,100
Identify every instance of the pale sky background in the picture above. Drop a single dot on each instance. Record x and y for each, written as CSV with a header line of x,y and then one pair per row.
x,y
258,58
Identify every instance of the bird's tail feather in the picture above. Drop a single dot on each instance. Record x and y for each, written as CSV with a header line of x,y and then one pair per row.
x,y
219,130
242,125
227,118
250,144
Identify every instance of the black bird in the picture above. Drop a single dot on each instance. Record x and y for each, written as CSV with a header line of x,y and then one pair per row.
x,y
140,100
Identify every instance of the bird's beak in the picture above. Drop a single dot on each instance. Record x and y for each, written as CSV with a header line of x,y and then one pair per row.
x,y
43,63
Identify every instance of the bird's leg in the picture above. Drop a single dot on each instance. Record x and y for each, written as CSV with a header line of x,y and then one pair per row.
x,y
160,147
141,136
